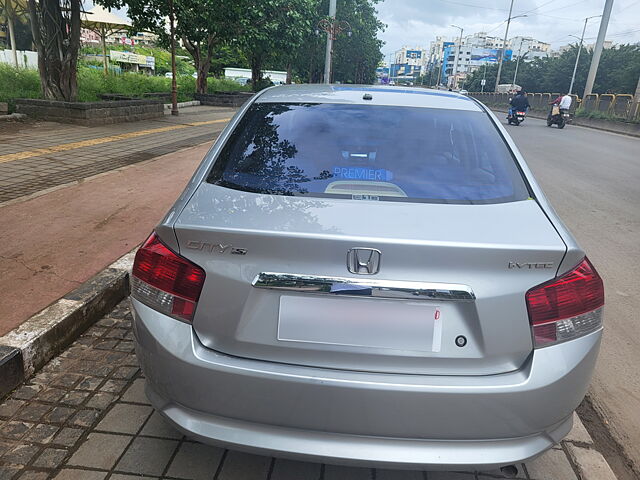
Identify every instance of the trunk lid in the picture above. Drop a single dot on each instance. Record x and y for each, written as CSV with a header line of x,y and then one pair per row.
x,y
494,252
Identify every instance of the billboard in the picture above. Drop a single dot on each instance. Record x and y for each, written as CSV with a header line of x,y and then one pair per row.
x,y
480,56
414,54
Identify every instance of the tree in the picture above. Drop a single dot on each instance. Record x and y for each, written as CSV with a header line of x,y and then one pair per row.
x,y
274,29
55,28
203,26
618,73
355,57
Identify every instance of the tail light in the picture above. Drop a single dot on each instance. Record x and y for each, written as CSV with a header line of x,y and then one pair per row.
x,y
165,281
566,307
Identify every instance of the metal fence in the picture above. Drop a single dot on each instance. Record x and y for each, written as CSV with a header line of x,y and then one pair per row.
x,y
621,106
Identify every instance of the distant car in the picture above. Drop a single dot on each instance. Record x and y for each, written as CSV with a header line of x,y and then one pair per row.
x,y
371,276
168,75
241,80
463,92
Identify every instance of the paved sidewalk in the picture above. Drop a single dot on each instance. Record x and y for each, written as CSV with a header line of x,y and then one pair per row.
x,y
54,242
37,156
85,416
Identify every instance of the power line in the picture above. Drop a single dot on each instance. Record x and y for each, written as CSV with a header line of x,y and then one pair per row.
x,y
473,5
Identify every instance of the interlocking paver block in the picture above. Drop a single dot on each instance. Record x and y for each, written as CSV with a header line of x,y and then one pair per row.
x,y
100,450
32,475
10,406
551,465
84,418
50,458
101,400
135,393
123,418
244,466
293,470
338,472
73,474
42,433
20,455
32,412
68,436
195,461
147,456
15,430
157,426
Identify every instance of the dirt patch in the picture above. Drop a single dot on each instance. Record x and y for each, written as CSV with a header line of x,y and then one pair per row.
x,y
604,442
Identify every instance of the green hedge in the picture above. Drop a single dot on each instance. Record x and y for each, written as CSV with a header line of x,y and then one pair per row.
x,y
25,83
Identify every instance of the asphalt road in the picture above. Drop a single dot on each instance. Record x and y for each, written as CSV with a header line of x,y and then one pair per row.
x,y
592,178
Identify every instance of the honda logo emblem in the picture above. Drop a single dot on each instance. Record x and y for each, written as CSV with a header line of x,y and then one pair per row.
x,y
364,261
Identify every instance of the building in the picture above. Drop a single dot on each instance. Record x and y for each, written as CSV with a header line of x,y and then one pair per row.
x,y
482,40
409,63
466,59
527,44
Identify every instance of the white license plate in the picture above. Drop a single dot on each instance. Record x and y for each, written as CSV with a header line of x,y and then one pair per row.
x,y
357,322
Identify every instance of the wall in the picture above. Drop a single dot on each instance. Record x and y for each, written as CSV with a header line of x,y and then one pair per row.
x,y
90,113
25,58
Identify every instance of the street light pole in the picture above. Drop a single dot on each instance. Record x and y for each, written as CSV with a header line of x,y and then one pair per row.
x,y
174,84
597,51
504,46
575,67
515,74
329,49
455,63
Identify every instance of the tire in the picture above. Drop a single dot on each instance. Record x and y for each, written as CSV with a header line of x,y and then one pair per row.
x,y
516,122
549,123
561,123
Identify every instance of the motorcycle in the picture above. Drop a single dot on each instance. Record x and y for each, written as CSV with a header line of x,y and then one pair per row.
x,y
516,117
558,117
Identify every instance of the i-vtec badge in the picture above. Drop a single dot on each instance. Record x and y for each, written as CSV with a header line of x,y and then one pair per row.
x,y
530,265
215,247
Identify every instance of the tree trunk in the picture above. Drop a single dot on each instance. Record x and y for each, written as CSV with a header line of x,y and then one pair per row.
x,y
203,72
256,70
56,35
288,81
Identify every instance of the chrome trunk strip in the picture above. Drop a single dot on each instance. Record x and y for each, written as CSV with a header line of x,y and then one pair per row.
x,y
363,287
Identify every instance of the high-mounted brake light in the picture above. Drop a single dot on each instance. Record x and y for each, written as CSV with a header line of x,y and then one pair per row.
x,y
165,281
566,307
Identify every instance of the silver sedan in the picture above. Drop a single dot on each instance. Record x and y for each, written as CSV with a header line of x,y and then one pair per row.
x,y
367,276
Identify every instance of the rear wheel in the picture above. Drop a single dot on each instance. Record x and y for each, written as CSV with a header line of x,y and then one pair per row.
x,y
561,123
516,122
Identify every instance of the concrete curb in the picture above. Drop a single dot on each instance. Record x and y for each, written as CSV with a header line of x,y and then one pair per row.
x,y
30,346
192,103
587,462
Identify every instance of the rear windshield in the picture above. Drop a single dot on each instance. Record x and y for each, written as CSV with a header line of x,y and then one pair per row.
x,y
368,152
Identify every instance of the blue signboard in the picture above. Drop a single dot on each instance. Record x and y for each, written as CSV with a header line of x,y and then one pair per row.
x,y
414,54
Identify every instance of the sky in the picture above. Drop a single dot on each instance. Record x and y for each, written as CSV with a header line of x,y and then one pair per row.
x,y
415,23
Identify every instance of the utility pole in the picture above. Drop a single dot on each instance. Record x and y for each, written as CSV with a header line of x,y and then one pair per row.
x,y
174,84
329,50
484,78
595,60
575,67
12,35
504,46
515,74
459,51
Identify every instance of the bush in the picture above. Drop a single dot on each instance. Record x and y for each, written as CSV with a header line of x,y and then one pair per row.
x,y
18,83
25,83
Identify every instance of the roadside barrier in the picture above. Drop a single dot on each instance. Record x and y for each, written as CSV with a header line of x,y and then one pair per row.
x,y
618,105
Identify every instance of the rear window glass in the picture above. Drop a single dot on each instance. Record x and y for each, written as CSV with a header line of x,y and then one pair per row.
x,y
368,152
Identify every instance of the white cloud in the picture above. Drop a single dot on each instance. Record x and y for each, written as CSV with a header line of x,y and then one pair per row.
x,y
417,22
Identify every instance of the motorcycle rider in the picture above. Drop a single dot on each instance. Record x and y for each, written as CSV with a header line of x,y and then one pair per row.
x,y
519,103
564,102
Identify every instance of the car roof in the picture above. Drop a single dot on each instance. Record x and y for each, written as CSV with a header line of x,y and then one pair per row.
x,y
380,95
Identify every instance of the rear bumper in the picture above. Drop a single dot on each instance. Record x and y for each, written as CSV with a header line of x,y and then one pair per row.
x,y
361,418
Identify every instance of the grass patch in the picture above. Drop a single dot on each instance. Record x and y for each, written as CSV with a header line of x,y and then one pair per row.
x,y
581,113
18,83
25,83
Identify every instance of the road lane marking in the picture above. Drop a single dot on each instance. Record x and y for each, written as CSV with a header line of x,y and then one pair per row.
x,y
11,157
